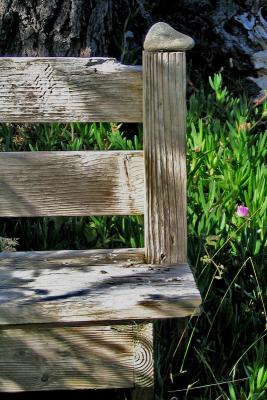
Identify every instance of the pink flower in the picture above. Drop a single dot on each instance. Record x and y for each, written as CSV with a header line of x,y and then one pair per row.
x,y
242,211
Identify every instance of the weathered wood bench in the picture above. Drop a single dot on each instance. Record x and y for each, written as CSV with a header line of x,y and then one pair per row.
x,y
83,319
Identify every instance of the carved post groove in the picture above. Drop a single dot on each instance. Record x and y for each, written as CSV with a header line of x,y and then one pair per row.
x,y
164,112
164,67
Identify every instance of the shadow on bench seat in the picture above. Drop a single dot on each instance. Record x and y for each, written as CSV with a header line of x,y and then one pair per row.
x,y
92,285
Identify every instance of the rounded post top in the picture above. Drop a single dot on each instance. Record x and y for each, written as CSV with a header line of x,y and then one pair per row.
x,y
162,37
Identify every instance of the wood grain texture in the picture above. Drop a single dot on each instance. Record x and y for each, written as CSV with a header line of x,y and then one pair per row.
x,y
69,89
143,364
71,288
34,358
123,256
165,157
143,356
71,183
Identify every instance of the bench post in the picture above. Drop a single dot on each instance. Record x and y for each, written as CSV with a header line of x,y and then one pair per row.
x,y
164,116
164,70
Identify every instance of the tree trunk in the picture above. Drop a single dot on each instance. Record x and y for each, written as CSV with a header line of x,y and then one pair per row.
x,y
71,27
230,35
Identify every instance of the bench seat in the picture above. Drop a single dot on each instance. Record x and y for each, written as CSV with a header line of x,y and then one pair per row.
x,y
92,285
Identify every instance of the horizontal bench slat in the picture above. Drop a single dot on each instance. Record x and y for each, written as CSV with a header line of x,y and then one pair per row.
x,y
69,89
90,257
71,183
71,288
37,358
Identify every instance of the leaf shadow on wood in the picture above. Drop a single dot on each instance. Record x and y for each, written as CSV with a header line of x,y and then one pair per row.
x,y
67,351
65,286
54,356
70,357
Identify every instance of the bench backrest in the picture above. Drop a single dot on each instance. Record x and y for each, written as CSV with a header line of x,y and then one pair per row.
x,y
152,182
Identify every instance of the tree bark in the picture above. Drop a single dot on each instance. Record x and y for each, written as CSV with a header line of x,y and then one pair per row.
x,y
230,35
71,27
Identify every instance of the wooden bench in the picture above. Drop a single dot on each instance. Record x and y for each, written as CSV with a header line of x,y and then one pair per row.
x,y
84,319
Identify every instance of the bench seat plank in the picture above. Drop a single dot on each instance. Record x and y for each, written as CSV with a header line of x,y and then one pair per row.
x,y
92,286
